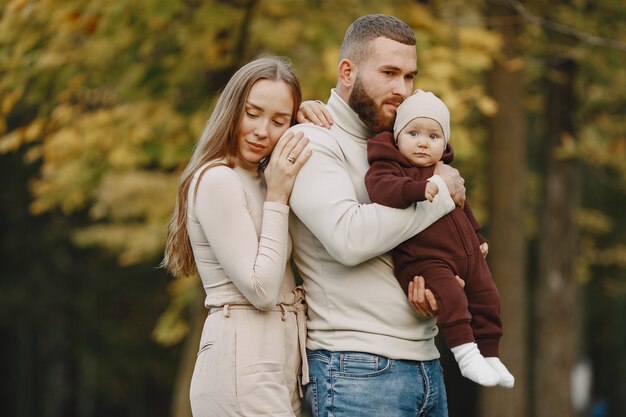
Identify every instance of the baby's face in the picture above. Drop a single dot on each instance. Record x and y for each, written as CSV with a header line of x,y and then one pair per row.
x,y
422,142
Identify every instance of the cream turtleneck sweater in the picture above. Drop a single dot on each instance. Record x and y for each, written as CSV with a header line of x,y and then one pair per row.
x,y
341,242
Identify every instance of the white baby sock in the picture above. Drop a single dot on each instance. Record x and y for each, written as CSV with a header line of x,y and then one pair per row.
x,y
507,380
474,366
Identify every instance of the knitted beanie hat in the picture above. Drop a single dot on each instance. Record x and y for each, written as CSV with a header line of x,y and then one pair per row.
x,y
422,104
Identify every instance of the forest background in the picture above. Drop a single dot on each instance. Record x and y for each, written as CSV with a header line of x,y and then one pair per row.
x,y
100,105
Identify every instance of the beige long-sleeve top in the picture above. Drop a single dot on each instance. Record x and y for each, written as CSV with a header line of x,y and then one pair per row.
x,y
341,242
240,242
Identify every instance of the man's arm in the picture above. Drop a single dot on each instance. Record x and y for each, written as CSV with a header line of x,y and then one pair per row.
x,y
325,200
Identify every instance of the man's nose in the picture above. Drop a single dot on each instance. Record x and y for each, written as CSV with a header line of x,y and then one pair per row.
x,y
402,87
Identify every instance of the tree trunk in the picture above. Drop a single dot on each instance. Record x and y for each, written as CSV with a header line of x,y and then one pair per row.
x,y
244,34
558,320
507,216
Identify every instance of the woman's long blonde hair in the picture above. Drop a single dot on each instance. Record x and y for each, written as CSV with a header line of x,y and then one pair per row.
x,y
219,142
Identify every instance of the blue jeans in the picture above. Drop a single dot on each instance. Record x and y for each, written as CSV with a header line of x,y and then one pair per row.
x,y
360,384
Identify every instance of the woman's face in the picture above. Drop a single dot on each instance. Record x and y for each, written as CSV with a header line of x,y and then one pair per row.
x,y
267,115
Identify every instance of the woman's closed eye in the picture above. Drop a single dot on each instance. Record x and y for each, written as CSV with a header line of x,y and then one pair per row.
x,y
279,122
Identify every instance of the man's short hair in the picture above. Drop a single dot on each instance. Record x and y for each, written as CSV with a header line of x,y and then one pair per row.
x,y
366,28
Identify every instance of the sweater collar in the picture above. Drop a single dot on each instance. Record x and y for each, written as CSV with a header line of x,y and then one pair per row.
x,y
346,119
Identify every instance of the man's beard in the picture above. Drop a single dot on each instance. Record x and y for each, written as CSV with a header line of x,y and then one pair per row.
x,y
369,113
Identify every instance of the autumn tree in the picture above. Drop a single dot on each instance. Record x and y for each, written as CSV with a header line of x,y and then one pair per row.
x,y
569,39
507,168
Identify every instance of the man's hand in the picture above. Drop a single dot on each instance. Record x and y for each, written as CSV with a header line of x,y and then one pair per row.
x,y
454,182
422,299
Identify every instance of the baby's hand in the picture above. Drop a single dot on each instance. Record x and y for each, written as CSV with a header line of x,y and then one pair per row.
x,y
431,190
484,249
314,112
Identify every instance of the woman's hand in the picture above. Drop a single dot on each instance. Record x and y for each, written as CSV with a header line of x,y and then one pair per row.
x,y
314,112
287,158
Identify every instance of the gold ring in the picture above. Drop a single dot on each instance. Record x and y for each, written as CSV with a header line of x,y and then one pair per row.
x,y
291,159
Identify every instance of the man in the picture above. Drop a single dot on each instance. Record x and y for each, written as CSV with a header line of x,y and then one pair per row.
x,y
369,353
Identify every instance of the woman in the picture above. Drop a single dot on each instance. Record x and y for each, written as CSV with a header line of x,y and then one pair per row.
x,y
230,225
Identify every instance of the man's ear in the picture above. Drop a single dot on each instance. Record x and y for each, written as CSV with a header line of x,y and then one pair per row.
x,y
347,73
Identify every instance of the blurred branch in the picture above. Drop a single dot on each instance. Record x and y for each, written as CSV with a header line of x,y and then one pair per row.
x,y
566,30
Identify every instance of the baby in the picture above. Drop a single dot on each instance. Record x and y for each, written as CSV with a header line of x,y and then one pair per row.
x,y
401,163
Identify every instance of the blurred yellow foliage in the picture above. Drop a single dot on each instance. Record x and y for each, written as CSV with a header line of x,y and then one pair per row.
x,y
172,326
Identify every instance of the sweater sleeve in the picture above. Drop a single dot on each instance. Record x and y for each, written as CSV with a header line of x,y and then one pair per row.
x,y
388,185
256,265
325,199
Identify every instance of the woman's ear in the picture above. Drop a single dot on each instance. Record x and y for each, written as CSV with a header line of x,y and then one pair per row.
x,y
347,72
